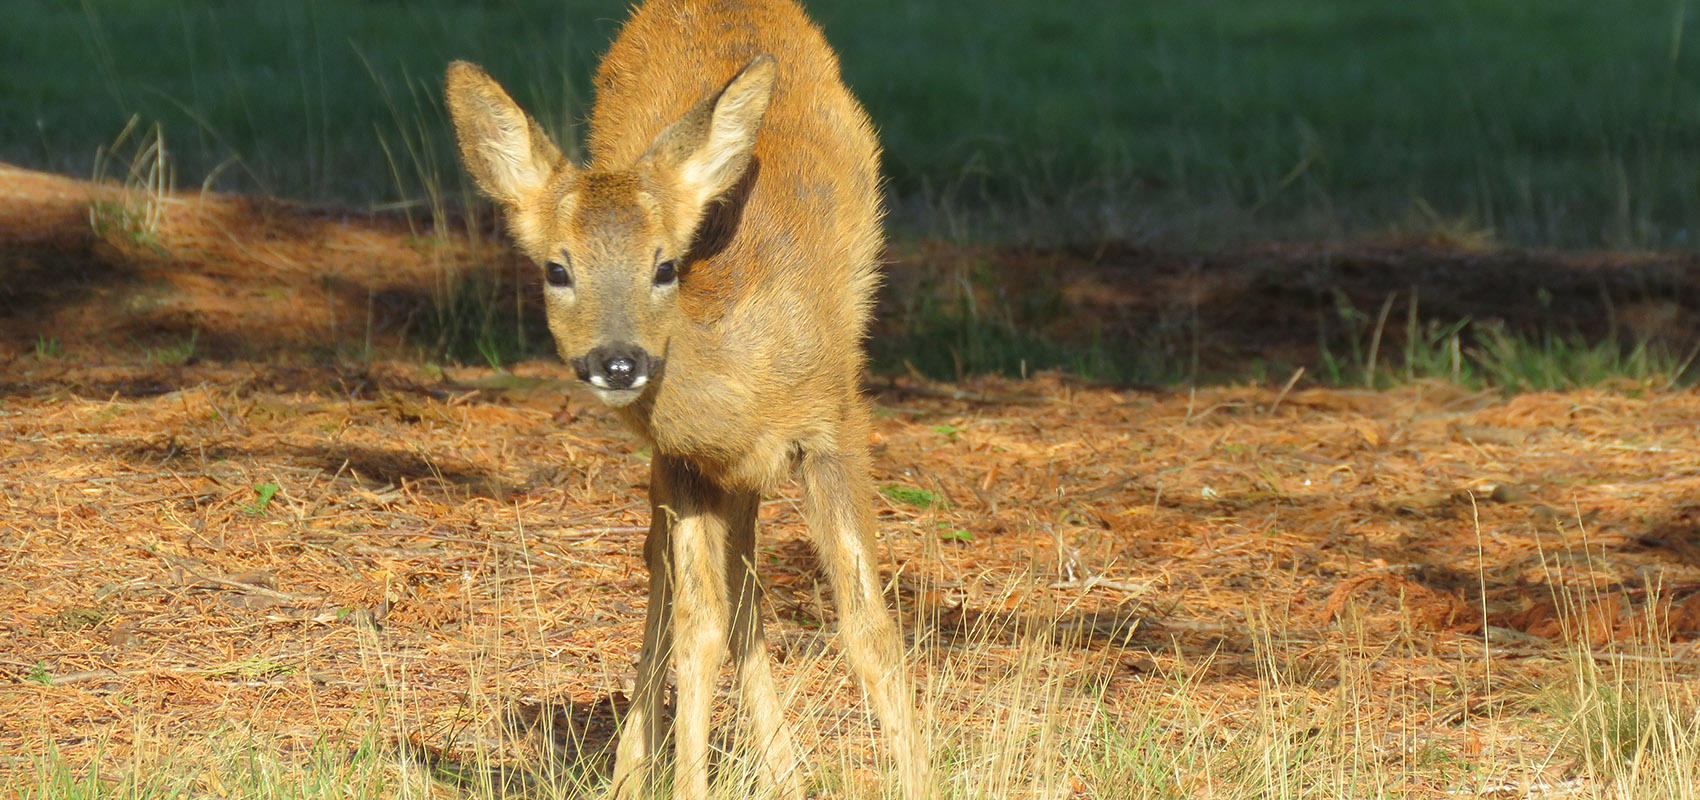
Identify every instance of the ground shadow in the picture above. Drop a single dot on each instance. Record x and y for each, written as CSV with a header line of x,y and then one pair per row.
x,y
377,467
38,275
396,467
549,750
930,616
343,379
1168,315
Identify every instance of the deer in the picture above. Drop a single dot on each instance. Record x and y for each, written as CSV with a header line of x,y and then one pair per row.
x,y
710,273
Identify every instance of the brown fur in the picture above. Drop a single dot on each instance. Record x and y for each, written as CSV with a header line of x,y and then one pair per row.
x,y
722,138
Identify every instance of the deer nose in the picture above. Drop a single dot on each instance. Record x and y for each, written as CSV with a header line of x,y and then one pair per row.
x,y
615,367
621,371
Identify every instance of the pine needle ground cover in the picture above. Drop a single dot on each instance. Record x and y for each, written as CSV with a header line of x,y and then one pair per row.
x,y
250,538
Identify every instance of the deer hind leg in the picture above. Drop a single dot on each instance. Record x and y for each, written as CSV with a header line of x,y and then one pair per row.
x,y
838,498
642,734
768,731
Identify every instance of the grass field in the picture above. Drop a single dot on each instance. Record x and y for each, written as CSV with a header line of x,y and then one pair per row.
x,y
1561,123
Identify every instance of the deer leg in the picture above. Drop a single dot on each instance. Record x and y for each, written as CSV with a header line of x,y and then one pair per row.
x,y
642,733
700,617
768,730
838,500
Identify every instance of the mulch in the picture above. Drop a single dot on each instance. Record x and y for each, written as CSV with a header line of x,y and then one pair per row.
x,y
301,546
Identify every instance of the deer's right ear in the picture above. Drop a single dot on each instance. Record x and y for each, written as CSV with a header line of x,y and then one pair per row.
x,y
504,150
709,148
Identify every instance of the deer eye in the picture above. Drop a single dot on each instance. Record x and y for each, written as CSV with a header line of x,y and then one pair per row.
x,y
667,273
556,274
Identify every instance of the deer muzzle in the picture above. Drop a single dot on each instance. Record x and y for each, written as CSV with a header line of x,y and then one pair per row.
x,y
616,369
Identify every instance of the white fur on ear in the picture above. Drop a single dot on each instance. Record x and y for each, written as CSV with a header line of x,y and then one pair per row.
x,y
721,160
504,150
710,146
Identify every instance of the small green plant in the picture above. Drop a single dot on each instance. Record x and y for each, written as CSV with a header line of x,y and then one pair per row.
x,y
1361,339
48,348
38,674
263,495
75,618
1435,350
956,535
1551,361
256,668
121,219
910,495
174,353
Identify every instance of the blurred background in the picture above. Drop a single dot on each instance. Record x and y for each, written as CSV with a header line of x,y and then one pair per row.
x,y
1564,122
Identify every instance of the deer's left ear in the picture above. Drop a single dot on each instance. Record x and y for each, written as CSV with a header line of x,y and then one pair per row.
x,y
707,150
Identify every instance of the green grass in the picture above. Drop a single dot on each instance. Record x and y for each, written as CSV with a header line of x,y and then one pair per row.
x,y
480,319
292,99
48,348
175,351
1360,349
1565,123
957,325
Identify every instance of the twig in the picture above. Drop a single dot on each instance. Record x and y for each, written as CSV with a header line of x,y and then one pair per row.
x,y
1282,395
226,582
1093,581
80,677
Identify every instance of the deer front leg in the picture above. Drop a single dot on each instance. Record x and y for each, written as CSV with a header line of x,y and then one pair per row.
x,y
768,730
642,733
838,499
700,613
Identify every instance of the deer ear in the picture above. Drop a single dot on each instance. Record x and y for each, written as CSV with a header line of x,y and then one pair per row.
x,y
708,149
504,150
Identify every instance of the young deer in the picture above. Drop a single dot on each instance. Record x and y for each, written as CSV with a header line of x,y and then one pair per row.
x,y
710,274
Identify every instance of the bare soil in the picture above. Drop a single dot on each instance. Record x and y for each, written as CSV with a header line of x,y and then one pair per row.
x,y
290,514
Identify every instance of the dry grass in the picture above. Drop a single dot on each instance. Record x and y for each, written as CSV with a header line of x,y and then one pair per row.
x,y
261,576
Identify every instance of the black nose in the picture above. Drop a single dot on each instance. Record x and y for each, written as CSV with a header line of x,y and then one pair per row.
x,y
615,367
621,371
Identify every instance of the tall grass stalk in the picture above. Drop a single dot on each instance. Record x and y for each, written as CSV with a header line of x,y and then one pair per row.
x,y
137,160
